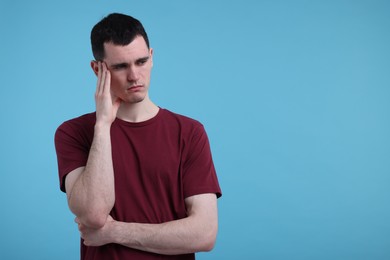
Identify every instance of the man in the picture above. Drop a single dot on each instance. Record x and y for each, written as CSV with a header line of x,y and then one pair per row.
x,y
139,178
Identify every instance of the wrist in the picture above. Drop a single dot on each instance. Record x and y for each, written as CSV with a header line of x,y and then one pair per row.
x,y
102,127
116,231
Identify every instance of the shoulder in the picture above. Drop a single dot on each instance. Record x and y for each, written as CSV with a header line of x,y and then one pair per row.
x,y
183,120
81,121
188,128
82,125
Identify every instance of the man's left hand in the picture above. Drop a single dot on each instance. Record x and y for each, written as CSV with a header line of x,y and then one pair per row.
x,y
96,237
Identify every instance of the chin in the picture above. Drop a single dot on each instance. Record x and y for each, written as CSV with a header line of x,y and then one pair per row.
x,y
135,99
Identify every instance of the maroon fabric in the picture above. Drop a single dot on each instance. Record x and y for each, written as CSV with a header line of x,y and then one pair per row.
x,y
157,164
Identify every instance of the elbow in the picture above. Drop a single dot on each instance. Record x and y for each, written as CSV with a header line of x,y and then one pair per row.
x,y
94,221
208,245
208,241
92,217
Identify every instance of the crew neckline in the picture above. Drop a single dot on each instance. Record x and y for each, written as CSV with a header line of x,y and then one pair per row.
x,y
142,123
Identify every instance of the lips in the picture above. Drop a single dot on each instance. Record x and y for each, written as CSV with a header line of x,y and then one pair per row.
x,y
135,88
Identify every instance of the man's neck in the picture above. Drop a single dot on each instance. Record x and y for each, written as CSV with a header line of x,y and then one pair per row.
x,y
137,112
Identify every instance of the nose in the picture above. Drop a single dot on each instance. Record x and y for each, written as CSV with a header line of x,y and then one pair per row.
x,y
132,74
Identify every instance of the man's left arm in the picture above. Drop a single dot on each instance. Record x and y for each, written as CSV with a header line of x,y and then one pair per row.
x,y
197,232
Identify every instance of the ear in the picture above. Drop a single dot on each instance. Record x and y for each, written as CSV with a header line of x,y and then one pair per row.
x,y
95,67
151,55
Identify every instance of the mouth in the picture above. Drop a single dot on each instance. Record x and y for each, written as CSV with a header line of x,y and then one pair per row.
x,y
135,88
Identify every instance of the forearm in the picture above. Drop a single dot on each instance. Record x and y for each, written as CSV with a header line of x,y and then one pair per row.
x,y
93,195
176,237
195,233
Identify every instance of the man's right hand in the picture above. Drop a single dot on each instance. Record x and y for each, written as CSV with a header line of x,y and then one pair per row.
x,y
107,105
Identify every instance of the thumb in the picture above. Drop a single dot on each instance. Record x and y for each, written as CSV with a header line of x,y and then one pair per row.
x,y
116,102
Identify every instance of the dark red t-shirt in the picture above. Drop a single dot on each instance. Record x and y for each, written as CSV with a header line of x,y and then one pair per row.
x,y
157,164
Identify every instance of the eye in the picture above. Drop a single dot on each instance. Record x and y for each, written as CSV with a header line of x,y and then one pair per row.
x,y
119,66
142,61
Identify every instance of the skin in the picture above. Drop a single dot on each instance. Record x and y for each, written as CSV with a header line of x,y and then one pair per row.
x,y
122,91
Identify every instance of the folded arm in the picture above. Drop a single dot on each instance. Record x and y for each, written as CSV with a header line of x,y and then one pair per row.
x,y
195,233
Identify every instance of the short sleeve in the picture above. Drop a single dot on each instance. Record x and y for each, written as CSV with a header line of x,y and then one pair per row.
x,y
199,175
72,145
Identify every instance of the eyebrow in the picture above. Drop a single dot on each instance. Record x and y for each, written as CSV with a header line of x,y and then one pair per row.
x,y
118,65
122,64
143,59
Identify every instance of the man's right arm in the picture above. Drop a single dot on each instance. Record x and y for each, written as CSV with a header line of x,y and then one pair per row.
x,y
90,189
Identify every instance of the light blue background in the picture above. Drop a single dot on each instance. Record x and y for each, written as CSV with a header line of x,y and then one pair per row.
x,y
295,97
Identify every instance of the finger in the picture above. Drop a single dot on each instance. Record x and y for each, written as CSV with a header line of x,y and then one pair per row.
x,y
116,102
99,78
107,79
103,78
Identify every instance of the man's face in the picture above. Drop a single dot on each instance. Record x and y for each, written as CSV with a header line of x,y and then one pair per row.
x,y
130,67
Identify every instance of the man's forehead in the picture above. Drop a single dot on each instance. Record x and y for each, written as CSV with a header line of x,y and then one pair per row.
x,y
135,50
137,43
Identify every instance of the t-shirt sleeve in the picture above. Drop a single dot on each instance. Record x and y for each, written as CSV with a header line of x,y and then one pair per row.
x,y
72,150
199,175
